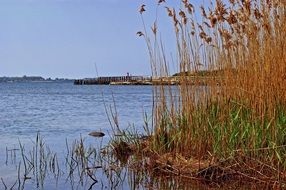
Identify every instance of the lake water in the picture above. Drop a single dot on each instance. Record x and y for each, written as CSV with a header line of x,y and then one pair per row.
x,y
63,112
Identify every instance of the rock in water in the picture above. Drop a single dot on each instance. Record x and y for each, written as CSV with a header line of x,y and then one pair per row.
x,y
96,134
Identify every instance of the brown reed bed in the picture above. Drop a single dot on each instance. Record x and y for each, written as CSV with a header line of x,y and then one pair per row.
x,y
234,129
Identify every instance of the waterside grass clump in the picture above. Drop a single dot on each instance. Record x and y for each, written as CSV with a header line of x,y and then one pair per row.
x,y
234,128
38,167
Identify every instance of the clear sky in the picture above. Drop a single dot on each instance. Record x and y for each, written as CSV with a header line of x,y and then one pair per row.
x,y
64,38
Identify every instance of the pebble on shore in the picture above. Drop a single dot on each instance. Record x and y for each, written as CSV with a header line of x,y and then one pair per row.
x,y
96,134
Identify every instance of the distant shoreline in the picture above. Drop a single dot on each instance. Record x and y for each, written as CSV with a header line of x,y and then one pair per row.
x,y
32,79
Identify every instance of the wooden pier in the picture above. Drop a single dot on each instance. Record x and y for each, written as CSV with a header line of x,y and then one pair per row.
x,y
147,80
114,80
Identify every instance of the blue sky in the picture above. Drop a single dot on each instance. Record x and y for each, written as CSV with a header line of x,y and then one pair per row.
x,y
64,38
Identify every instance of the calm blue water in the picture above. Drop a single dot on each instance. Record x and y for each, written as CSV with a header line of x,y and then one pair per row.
x,y
66,110
61,111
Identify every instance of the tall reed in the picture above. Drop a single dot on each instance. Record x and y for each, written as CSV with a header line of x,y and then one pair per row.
x,y
232,74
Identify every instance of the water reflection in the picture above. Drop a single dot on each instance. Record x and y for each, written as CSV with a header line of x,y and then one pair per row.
x,y
90,166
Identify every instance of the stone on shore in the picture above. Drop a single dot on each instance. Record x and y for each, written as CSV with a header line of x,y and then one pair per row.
x,y
96,134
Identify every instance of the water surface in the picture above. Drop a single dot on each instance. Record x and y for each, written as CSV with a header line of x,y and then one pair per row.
x,y
61,111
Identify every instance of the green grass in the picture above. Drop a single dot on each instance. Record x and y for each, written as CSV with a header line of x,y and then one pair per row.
x,y
223,131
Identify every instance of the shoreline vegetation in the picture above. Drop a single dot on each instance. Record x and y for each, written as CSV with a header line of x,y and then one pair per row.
x,y
227,136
